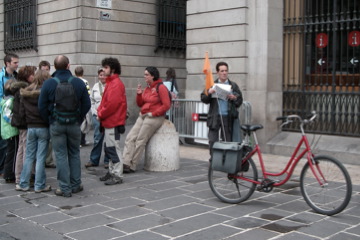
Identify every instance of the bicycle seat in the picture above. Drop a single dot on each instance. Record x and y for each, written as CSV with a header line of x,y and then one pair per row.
x,y
251,128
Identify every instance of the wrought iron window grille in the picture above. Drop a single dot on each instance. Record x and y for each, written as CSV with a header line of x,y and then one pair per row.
x,y
321,64
171,25
20,25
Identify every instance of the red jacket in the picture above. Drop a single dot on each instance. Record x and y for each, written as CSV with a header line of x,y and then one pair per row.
x,y
113,106
158,103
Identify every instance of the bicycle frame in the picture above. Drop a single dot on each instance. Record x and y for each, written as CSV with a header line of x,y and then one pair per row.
x,y
324,182
290,166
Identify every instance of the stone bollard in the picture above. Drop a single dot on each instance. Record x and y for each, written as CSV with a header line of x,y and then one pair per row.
x,y
162,150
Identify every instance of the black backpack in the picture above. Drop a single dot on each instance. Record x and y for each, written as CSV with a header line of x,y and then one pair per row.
x,y
66,105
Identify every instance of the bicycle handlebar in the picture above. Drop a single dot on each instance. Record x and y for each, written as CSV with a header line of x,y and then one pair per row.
x,y
289,119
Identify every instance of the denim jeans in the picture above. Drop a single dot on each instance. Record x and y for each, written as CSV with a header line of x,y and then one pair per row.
x,y
98,144
2,154
37,140
66,146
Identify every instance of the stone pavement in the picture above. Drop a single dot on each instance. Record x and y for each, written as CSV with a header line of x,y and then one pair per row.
x,y
170,205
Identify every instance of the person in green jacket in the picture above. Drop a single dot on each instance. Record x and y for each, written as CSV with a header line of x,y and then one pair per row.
x,y
8,132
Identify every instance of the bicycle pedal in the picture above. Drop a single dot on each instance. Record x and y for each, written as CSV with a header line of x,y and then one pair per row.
x,y
266,185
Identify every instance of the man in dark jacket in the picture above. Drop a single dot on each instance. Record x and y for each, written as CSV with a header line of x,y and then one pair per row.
x,y
65,137
222,113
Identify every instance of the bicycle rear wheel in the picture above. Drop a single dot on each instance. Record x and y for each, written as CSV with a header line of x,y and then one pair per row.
x,y
334,195
230,189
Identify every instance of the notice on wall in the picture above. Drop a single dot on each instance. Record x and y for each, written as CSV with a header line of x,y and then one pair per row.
x,y
103,4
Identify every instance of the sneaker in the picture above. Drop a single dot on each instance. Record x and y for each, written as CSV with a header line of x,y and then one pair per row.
x,y
78,189
58,192
106,177
127,169
84,144
106,166
90,164
18,188
46,189
113,181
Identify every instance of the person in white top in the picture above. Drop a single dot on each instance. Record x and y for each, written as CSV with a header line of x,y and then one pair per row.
x,y
170,83
95,97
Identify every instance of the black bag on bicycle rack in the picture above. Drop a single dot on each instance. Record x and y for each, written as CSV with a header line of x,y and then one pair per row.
x,y
227,157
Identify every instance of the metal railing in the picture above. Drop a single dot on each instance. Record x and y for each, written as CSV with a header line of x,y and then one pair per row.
x,y
189,117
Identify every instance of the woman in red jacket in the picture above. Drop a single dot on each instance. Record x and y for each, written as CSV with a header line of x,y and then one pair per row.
x,y
154,102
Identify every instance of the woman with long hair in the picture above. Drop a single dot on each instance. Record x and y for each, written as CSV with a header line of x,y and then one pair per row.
x,y
37,136
154,101
25,77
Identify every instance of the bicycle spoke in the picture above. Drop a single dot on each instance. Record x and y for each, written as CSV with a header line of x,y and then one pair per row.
x,y
332,194
231,189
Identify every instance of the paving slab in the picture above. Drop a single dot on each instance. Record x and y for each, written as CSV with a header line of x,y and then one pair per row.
x,y
169,205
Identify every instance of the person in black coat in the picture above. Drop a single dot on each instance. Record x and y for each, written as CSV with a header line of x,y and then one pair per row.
x,y
222,113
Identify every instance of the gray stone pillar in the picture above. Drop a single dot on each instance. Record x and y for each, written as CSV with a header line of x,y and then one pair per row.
x,y
162,151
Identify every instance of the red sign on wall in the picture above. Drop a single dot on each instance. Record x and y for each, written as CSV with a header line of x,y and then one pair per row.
x,y
321,40
354,38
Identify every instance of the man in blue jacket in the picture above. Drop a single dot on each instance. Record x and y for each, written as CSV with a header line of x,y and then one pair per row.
x,y
65,137
11,62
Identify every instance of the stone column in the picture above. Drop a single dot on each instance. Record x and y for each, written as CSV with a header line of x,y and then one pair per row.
x,y
162,151
264,82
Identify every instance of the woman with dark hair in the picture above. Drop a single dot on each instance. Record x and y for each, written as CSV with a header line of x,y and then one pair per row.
x,y
37,136
171,85
171,78
25,77
154,101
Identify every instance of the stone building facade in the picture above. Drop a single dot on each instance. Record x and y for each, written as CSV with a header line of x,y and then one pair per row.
x,y
80,30
248,34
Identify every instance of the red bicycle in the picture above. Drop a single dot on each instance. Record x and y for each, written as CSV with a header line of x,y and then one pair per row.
x,y
324,181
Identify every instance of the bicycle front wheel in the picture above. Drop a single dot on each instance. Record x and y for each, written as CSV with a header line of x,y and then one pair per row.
x,y
230,189
334,194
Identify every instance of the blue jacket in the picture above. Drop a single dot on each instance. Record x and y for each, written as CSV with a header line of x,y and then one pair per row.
x,y
47,95
4,76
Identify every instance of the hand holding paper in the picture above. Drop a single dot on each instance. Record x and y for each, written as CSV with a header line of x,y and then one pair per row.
x,y
222,91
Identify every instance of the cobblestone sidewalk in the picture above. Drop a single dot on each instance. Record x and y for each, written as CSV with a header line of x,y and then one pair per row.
x,y
172,205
